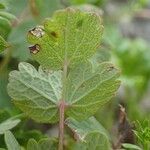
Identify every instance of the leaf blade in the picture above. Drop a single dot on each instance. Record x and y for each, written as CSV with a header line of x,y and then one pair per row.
x,y
32,145
69,33
35,92
8,124
91,134
90,87
11,142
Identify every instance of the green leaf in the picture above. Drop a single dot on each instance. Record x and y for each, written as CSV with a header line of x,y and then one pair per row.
x,y
43,144
37,93
2,6
29,134
8,124
47,144
5,27
32,145
143,132
131,146
7,15
91,134
3,44
4,115
69,35
89,88
11,142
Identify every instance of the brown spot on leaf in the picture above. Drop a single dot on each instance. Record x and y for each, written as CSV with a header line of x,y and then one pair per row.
x,y
37,31
34,49
54,34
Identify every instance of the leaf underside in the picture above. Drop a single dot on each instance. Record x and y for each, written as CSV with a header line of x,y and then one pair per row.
x,y
90,133
90,88
38,93
70,34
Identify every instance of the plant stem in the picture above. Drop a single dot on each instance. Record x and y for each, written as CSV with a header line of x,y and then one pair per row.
x,y
61,124
62,108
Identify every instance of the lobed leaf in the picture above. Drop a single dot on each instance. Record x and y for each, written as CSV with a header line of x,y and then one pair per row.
x,y
90,133
70,35
89,88
36,92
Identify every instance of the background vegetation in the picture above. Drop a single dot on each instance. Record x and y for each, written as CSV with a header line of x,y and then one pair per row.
x,y
125,42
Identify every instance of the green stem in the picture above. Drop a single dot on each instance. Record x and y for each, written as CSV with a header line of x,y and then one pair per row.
x,y
62,108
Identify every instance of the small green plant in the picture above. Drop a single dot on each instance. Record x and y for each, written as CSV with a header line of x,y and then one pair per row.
x,y
143,133
69,86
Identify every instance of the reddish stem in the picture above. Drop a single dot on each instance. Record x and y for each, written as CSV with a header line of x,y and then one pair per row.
x,y
61,124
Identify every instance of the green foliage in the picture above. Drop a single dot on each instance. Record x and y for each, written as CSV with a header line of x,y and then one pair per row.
x,y
29,13
43,9
131,146
90,133
43,144
8,124
4,115
5,22
3,44
2,6
20,44
143,133
68,41
90,87
137,51
4,98
79,2
7,15
32,145
69,35
11,142
38,93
